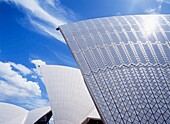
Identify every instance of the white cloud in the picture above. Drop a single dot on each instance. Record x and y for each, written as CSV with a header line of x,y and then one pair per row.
x,y
152,11
45,15
19,90
37,63
24,70
32,103
12,84
10,90
157,8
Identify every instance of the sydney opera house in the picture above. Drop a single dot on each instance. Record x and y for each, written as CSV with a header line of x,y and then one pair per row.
x,y
125,64
123,75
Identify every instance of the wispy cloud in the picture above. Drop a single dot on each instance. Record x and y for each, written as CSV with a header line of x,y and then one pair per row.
x,y
51,2
45,15
157,8
152,10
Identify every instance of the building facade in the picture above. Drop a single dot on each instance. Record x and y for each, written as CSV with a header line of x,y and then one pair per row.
x,y
125,62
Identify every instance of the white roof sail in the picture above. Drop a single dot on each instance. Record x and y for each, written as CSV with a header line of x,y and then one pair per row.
x,y
125,62
12,114
70,100
36,114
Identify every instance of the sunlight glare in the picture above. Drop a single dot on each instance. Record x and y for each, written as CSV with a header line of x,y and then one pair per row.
x,y
150,24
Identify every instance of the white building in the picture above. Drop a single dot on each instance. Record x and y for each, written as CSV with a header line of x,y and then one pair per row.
x,y
12,114
69,98
125,62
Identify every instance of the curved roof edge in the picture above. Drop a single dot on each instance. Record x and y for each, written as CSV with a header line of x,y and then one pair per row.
x,y
13,114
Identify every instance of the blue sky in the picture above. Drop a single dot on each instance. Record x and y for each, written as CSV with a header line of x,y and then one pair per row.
x,y
28,38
